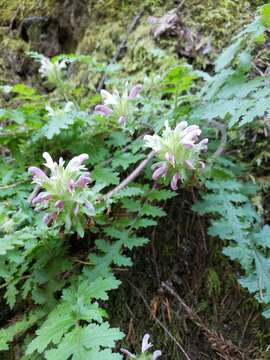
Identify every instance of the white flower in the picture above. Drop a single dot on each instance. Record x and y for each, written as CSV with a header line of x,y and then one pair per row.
x,y
146,345
52,71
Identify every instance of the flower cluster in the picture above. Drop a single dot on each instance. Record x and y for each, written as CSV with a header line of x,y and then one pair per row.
x,y
178,151
120,106
52,71
144,353
66,194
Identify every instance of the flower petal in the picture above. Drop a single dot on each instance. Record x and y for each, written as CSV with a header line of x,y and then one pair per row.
x,y
76,210
160,171
122,120
83,180
49,161
145,343
190,164
41,197
37,172
126,352
49,218
103,110
202,164
134,92
156,354
176,177
59,204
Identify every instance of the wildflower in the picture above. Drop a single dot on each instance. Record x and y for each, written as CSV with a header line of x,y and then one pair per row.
x,y
120,106
66,194
52,71
144,351
179,152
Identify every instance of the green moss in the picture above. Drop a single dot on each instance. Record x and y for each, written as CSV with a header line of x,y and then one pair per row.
x,y
23,8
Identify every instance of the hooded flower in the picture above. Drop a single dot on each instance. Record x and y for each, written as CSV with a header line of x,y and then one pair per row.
x,y
145,355
120,106
66,194
52,71
178,151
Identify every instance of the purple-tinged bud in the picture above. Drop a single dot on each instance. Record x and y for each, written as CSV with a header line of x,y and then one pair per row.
x,y
38,173
156,354
134,92
89,206
188,144
191,134
190,164
71,185
76,210
83,180
41,197
103,110
122,120
49,218
160,171
170,157
59,204
176,177
202,165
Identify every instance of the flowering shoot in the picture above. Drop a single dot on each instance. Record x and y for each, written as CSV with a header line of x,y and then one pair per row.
x,y
66,195
120,106
178,152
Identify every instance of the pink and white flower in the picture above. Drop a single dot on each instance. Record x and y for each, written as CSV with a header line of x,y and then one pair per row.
x,y
178,151
120,106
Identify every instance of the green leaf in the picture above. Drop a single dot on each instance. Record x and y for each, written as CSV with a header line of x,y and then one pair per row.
x,y
59,321
228,55
18,328
105,176
265,15
83,343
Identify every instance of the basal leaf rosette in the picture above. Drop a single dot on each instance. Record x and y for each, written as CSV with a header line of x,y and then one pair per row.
x,y
145,354
178,151
65,194
119,106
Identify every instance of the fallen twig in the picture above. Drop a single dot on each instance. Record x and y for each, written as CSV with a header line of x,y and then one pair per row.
x,y
131,176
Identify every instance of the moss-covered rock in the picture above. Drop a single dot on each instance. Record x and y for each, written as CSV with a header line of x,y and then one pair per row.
x,y
17,10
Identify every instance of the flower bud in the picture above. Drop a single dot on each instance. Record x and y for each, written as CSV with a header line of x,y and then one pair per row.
x,y
170,157
122,120
38,173
41,197
83,180
49,218
176,177
134,92
59,204
103,110
160,171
